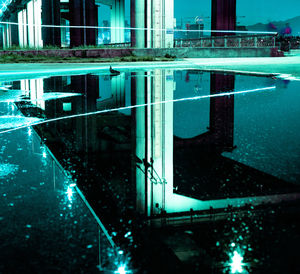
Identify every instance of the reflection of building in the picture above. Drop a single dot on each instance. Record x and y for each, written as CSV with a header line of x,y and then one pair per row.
x,y
183,174
168,167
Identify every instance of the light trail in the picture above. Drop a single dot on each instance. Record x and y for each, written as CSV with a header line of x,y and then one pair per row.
x,y
141,105
131,28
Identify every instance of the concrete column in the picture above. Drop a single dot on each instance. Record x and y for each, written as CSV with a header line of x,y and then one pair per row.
x,y
1,36
138,18
118,21
113,23
117,14
122,21
51,16
168,39
14,29
223,16
83,13
156,20
138,87
154,141
6,36
91,20
162,140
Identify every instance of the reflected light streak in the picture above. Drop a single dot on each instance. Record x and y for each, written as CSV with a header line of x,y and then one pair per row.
x,y
236,264
70,193
143,105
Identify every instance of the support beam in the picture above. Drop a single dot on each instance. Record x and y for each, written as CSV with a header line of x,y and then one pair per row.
x,y
154,21
138,21
118,21
14,29
83,13
223,16
154,141
51,16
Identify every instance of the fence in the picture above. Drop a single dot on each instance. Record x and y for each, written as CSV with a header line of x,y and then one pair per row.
x,y
251,41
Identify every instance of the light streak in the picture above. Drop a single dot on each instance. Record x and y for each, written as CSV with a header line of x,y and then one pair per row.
x,y
156,29
141,105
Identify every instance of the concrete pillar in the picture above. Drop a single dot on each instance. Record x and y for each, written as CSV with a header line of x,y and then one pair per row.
x,y
139,93
14,29
6,36
122,21
138,20
1,36
155,23
51,16
83,13
223,16
154,140
118,21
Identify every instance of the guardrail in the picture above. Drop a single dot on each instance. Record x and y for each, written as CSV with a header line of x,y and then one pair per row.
x,y
117,45
253,41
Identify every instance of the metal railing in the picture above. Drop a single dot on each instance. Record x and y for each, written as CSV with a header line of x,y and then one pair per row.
x,y
117,45
253,41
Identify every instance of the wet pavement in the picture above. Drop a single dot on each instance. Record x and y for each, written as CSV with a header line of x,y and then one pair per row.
x,y
45,226
184,170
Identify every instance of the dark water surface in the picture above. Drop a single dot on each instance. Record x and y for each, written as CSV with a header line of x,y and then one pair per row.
x,y
159,171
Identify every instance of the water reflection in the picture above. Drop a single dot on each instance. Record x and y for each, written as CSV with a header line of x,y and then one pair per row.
x,y
171,163
159,158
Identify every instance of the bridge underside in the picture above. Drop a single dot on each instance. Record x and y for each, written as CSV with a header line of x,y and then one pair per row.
x,y
152,22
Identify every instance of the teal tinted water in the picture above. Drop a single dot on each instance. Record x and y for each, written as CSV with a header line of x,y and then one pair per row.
x,y
157,142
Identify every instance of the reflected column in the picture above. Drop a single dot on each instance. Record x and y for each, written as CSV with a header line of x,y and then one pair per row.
x,y
154,141
222,111
141,152
83,13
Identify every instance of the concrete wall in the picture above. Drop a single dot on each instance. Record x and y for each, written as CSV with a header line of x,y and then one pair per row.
x,y
205,52
178,52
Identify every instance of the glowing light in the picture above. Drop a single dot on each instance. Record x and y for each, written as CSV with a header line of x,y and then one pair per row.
x,y
236,265
70,193
121,270
44,154
29,131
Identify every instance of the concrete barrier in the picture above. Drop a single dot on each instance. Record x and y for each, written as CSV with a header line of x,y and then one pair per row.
x,y
123,52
